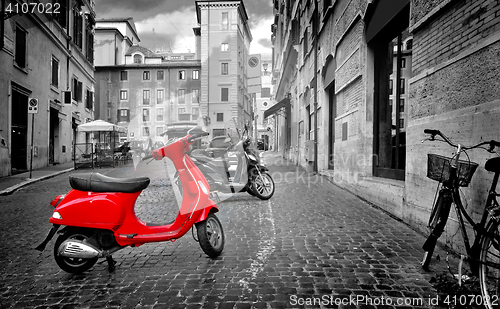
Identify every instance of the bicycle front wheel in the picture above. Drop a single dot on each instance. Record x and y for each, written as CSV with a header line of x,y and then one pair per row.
x,y
437,223
489,271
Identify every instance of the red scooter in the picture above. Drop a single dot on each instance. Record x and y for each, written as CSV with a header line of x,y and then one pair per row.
x,y
99,218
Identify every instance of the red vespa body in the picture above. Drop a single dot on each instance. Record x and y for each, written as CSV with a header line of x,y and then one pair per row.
x,y
100,219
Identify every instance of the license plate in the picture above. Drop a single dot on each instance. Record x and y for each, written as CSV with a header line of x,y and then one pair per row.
x,y
214,196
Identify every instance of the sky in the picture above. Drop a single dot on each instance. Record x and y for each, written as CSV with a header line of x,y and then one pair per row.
x,y
168,24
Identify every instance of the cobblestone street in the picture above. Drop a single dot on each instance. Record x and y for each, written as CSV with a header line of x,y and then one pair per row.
x,y
311,243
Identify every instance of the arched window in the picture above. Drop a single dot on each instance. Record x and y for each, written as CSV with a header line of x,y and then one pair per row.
x,y
137,58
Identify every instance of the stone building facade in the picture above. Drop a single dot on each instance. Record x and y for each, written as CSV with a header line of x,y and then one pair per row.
x,y
375,74
48,58
224,42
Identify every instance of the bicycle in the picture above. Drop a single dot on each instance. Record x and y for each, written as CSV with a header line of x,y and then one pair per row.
x,y
484,254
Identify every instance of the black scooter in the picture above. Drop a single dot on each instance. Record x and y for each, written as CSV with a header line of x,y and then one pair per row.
x,y
239,169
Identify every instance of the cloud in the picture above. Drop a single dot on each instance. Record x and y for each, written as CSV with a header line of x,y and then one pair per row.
x,y
173,22
261,33
171,30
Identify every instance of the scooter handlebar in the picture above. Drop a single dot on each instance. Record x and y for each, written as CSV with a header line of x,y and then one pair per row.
x,y
159,154
192,138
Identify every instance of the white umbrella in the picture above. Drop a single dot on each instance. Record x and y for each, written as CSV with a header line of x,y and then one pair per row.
x,y
100,125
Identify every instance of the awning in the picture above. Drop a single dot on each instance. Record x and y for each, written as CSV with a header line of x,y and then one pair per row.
x,y
276,107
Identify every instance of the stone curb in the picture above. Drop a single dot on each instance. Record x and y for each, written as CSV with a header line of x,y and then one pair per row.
x,y
12,189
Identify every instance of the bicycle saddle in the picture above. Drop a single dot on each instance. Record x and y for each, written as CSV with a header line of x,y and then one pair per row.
x,y
493,165
96,182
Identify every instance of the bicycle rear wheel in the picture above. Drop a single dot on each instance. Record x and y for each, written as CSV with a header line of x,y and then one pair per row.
x,y
437,222
489,268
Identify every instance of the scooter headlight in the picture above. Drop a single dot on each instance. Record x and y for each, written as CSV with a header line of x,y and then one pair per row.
x,y
252,157
56,215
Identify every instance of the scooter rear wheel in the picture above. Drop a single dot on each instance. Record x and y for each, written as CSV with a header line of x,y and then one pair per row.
x,y
73,265
211,236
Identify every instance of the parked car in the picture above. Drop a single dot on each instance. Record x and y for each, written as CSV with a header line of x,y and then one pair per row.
x,y
217,146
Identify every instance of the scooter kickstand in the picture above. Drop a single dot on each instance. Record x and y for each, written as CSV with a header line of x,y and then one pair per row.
x,y
111,263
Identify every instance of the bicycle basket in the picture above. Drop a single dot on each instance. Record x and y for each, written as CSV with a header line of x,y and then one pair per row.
x,y
438,168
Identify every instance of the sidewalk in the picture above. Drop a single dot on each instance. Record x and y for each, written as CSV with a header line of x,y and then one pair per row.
x,y
10,184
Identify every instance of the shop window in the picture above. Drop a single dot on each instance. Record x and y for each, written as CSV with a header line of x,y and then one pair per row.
x,y
389,133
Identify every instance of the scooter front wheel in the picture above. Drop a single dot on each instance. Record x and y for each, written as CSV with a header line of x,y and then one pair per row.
x,y
263,186
73,265
211,236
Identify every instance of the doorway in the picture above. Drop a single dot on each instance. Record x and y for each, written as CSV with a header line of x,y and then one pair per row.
x,y
53,135
332,103
19,132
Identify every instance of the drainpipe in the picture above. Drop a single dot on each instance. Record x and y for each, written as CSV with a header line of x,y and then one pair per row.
x,y
315,32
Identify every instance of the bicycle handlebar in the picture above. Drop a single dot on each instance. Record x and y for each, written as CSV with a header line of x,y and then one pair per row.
x,y
491,143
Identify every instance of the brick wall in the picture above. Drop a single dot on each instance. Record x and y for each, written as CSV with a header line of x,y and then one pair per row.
x,y
463,25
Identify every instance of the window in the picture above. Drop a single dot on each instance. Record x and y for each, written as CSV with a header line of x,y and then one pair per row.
x,y
220,117
195,96
181,96
195,112
305,42
145,114
55,72
146,75
77,28
159,131
196,74
137,59
146,96
159,114
21,47
77,88
224,94
224,68
182,75
183,116
159,96
160,75
123,95
123,115
389,136
145,131
89,99
60,17
224,47
225,21
123,75
403,62
89,40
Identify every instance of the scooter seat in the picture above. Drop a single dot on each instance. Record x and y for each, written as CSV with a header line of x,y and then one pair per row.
x,y
96,182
